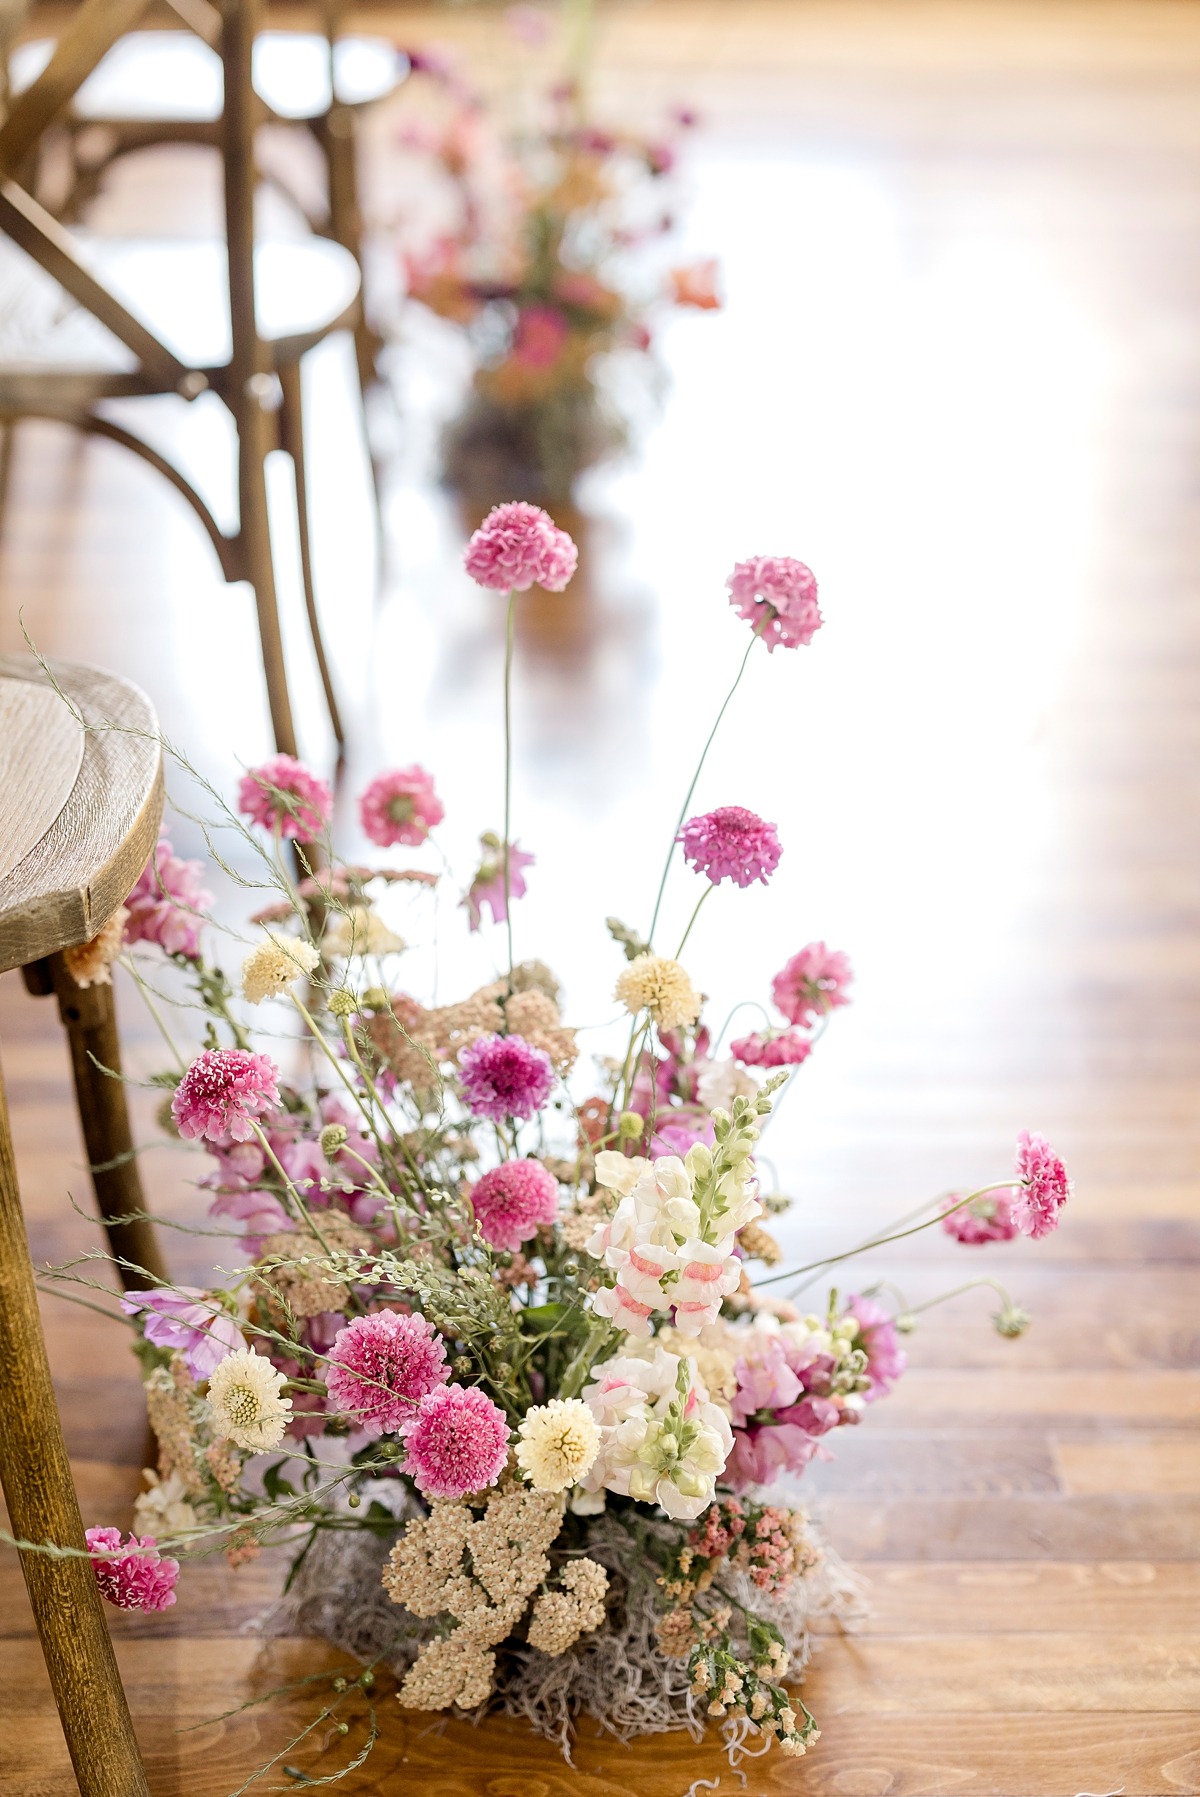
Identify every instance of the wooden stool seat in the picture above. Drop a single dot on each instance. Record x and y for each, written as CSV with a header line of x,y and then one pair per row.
x,y
80,806
174,75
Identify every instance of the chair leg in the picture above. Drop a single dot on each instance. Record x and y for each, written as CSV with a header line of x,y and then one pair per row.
x,y
89,1017
291,437
338,137
43,1507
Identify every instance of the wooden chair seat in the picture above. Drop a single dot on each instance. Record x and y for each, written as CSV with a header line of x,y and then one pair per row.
x,y
174,75
304,289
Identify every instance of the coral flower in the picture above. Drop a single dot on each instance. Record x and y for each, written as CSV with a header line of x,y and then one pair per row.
x,y
731,843
400,806
1044,1187
222,1092
283,795
381,1366
765,1048
165,905
987,1219
697,285
511,1202
518,546
505,1076
141,1579
813,982
778,596
457,1443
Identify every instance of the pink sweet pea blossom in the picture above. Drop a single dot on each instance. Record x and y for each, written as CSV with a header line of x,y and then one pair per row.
x,y
165,906
518,546
778,596
185,1320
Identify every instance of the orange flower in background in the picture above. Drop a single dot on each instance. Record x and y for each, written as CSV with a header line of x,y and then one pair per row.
x,y
696,285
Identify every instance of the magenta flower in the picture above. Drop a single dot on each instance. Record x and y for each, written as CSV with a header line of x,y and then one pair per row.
x,y
504,1076
778,596
487,888
731,844
511,1202
222,1091
987,1219
141,1579
886,1359
183,1319
457,1443
518,546
759,1455
813,982
400,806
283,795
1044,1187
771,1048
538,341
381,1366
165,904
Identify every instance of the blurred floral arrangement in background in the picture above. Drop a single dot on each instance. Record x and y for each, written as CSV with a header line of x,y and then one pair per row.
x,y
543,233
490,1359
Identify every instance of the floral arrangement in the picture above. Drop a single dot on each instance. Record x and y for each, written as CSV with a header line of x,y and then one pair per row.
x,y
534,234
493,1360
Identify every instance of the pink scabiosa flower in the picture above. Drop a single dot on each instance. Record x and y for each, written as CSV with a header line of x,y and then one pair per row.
x,y
185,1320
518,546
283,795
986,1219
381,1366
504,1076
165,905
877,1337
400,806
457,1443
512,1200
813,982
487,888
778,596
1044,1186
222,1091
731,843
140,1579
771,1048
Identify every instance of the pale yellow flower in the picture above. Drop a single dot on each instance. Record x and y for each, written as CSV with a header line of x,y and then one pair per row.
x,y
558,1442
659,985
360,931
244,1402
271,968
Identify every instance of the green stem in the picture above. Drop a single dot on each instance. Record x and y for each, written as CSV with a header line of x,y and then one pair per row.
x,y
508,661
881,1241
573,1379
691,921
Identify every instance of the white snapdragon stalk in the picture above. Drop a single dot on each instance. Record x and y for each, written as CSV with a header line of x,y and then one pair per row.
x,y
661,1440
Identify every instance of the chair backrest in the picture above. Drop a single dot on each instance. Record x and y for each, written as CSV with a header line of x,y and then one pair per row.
x,y
80,802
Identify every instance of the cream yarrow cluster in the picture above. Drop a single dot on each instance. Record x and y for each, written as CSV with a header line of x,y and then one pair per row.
x,y
273,966
656,984
557,1443
245,1404
560,1617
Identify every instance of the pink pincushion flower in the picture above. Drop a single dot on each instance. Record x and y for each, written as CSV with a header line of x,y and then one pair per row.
x,y
141,1579
518,546
813,982
731,843
282,794
400,806
512,1201
778,596
457,1443
184,1319
987,1219
165,905
1044,1187
381,1366
886,1359
487,888
768,1048
222,1091
504,1076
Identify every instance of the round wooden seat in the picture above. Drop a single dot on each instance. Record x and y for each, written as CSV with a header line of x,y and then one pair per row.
x,y
80,802
174,75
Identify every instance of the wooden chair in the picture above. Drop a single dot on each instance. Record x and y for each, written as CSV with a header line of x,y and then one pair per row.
x,y
80,803
183,318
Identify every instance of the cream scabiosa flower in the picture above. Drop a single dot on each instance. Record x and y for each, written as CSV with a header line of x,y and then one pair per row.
x,y
557,1443
656,984
274,964
244,1402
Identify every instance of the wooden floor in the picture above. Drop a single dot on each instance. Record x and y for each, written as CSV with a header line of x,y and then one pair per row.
x,y
959,372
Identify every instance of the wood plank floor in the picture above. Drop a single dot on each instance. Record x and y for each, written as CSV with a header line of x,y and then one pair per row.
x,y
959,372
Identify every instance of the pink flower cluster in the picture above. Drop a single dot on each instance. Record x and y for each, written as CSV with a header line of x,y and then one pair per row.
x,y
166,904
284,795
987,1219
778,596
1044,1186
877,1336
400,806
380,1367
772,1048
504,1076
457,1443
223,1093
186,1321
731,843
139,1579
512,1201
518,546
